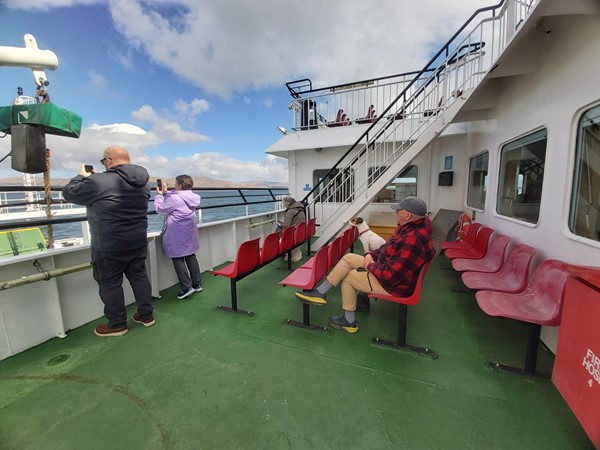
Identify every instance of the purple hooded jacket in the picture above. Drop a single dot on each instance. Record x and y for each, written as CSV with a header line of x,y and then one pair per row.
x,y
180,232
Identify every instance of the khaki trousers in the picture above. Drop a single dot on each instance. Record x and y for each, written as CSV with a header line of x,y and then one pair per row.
x,y
352,280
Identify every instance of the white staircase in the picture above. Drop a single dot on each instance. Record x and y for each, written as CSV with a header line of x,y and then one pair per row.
x,y
419,114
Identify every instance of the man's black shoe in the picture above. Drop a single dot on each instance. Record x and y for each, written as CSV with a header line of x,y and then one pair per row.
x,y
312,297
342,324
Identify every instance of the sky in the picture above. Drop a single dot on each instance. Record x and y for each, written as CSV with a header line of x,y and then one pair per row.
x,y
197,86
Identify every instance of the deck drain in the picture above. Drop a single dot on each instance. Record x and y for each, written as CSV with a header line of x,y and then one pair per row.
x,y
58,360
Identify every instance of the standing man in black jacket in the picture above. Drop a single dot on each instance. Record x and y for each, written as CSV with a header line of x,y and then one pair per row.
x,y
117,206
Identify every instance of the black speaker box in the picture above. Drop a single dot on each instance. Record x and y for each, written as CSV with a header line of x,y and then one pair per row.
x,y
28,149
446,178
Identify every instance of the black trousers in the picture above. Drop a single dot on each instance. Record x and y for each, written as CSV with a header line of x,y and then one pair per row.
x,y
188,271
108,269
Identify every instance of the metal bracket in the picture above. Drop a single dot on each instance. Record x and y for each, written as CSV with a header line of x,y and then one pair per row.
x,y
38,265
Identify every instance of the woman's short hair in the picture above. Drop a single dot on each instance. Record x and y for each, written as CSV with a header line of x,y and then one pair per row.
x,y
289,200
185,181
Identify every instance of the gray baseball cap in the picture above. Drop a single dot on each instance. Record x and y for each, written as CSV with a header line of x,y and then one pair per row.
x,y
411,204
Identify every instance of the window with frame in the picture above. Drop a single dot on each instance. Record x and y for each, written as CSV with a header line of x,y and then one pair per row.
x,y
403,185
337,187
478,181
584,211
521,177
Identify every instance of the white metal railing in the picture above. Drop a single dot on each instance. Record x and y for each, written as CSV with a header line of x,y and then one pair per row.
x,y
354,103
462,67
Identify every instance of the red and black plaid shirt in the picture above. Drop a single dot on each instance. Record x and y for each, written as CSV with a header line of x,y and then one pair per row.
x,y
397,263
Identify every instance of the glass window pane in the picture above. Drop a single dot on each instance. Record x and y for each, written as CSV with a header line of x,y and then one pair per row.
x,y
338,187
478,179
584,214
404,185
521,177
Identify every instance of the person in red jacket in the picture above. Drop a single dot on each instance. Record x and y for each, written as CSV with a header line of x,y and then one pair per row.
x,y
391,269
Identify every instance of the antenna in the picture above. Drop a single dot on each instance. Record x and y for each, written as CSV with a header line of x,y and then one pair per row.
x,y
30,56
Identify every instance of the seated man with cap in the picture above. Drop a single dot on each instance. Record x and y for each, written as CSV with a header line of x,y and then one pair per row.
x,y
391,269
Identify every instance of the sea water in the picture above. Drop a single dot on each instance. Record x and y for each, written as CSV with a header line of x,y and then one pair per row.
x,y
209,198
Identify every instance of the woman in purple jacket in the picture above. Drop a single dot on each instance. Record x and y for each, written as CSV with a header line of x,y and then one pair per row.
x,y
180,232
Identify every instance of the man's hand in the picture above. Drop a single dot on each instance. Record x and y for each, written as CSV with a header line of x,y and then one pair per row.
x,y
84,173
368,260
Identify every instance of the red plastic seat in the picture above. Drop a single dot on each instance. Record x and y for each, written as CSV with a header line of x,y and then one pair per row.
x,y
512,277
287,240
307,280
340,116
539,304
246,260
345,241
403,302
369,118
491,262
270,248
469,239
311,229
335,253
477,251
300,235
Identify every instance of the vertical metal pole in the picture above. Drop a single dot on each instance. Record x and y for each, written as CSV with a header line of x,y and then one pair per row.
x,y
305,314
402,318
532,348
233,295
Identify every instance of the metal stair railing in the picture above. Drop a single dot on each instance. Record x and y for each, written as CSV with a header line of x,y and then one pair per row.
x,y
458,68
318,108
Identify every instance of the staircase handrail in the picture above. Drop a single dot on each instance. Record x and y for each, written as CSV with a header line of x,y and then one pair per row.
x,y
445,48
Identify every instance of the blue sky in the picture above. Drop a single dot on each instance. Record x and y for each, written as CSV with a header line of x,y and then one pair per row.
x,y
198,87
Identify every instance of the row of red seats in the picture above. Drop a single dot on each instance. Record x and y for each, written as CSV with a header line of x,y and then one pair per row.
x,y
313,271
503,284
250,257
309,274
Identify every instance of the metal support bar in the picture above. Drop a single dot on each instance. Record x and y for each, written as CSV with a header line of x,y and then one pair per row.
x,y
401,344
402,319
258,224
234,305
306,321
529,369
43,276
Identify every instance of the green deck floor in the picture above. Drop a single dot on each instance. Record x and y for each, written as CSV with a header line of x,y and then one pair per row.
x,y
207,379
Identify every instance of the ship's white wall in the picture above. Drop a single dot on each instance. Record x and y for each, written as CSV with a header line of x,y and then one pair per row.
x,y
448,197
553,97
303,163
564,85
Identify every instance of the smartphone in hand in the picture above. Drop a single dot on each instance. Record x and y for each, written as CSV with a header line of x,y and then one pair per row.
x,y
88,168
159,184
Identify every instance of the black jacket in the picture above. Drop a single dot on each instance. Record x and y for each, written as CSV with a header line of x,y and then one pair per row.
x,y
117,206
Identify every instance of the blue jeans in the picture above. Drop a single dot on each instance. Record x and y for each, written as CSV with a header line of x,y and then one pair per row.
x,y
188,271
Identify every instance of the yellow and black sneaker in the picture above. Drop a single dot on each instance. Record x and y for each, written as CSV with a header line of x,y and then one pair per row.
x,y
342,324
312,297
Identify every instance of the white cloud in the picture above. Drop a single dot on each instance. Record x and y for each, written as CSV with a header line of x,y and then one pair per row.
x,y
68,155
165,129
44,5
193,108
97,81
238,45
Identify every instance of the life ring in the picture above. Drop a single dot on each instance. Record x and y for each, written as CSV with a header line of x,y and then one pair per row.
x,y
462,229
